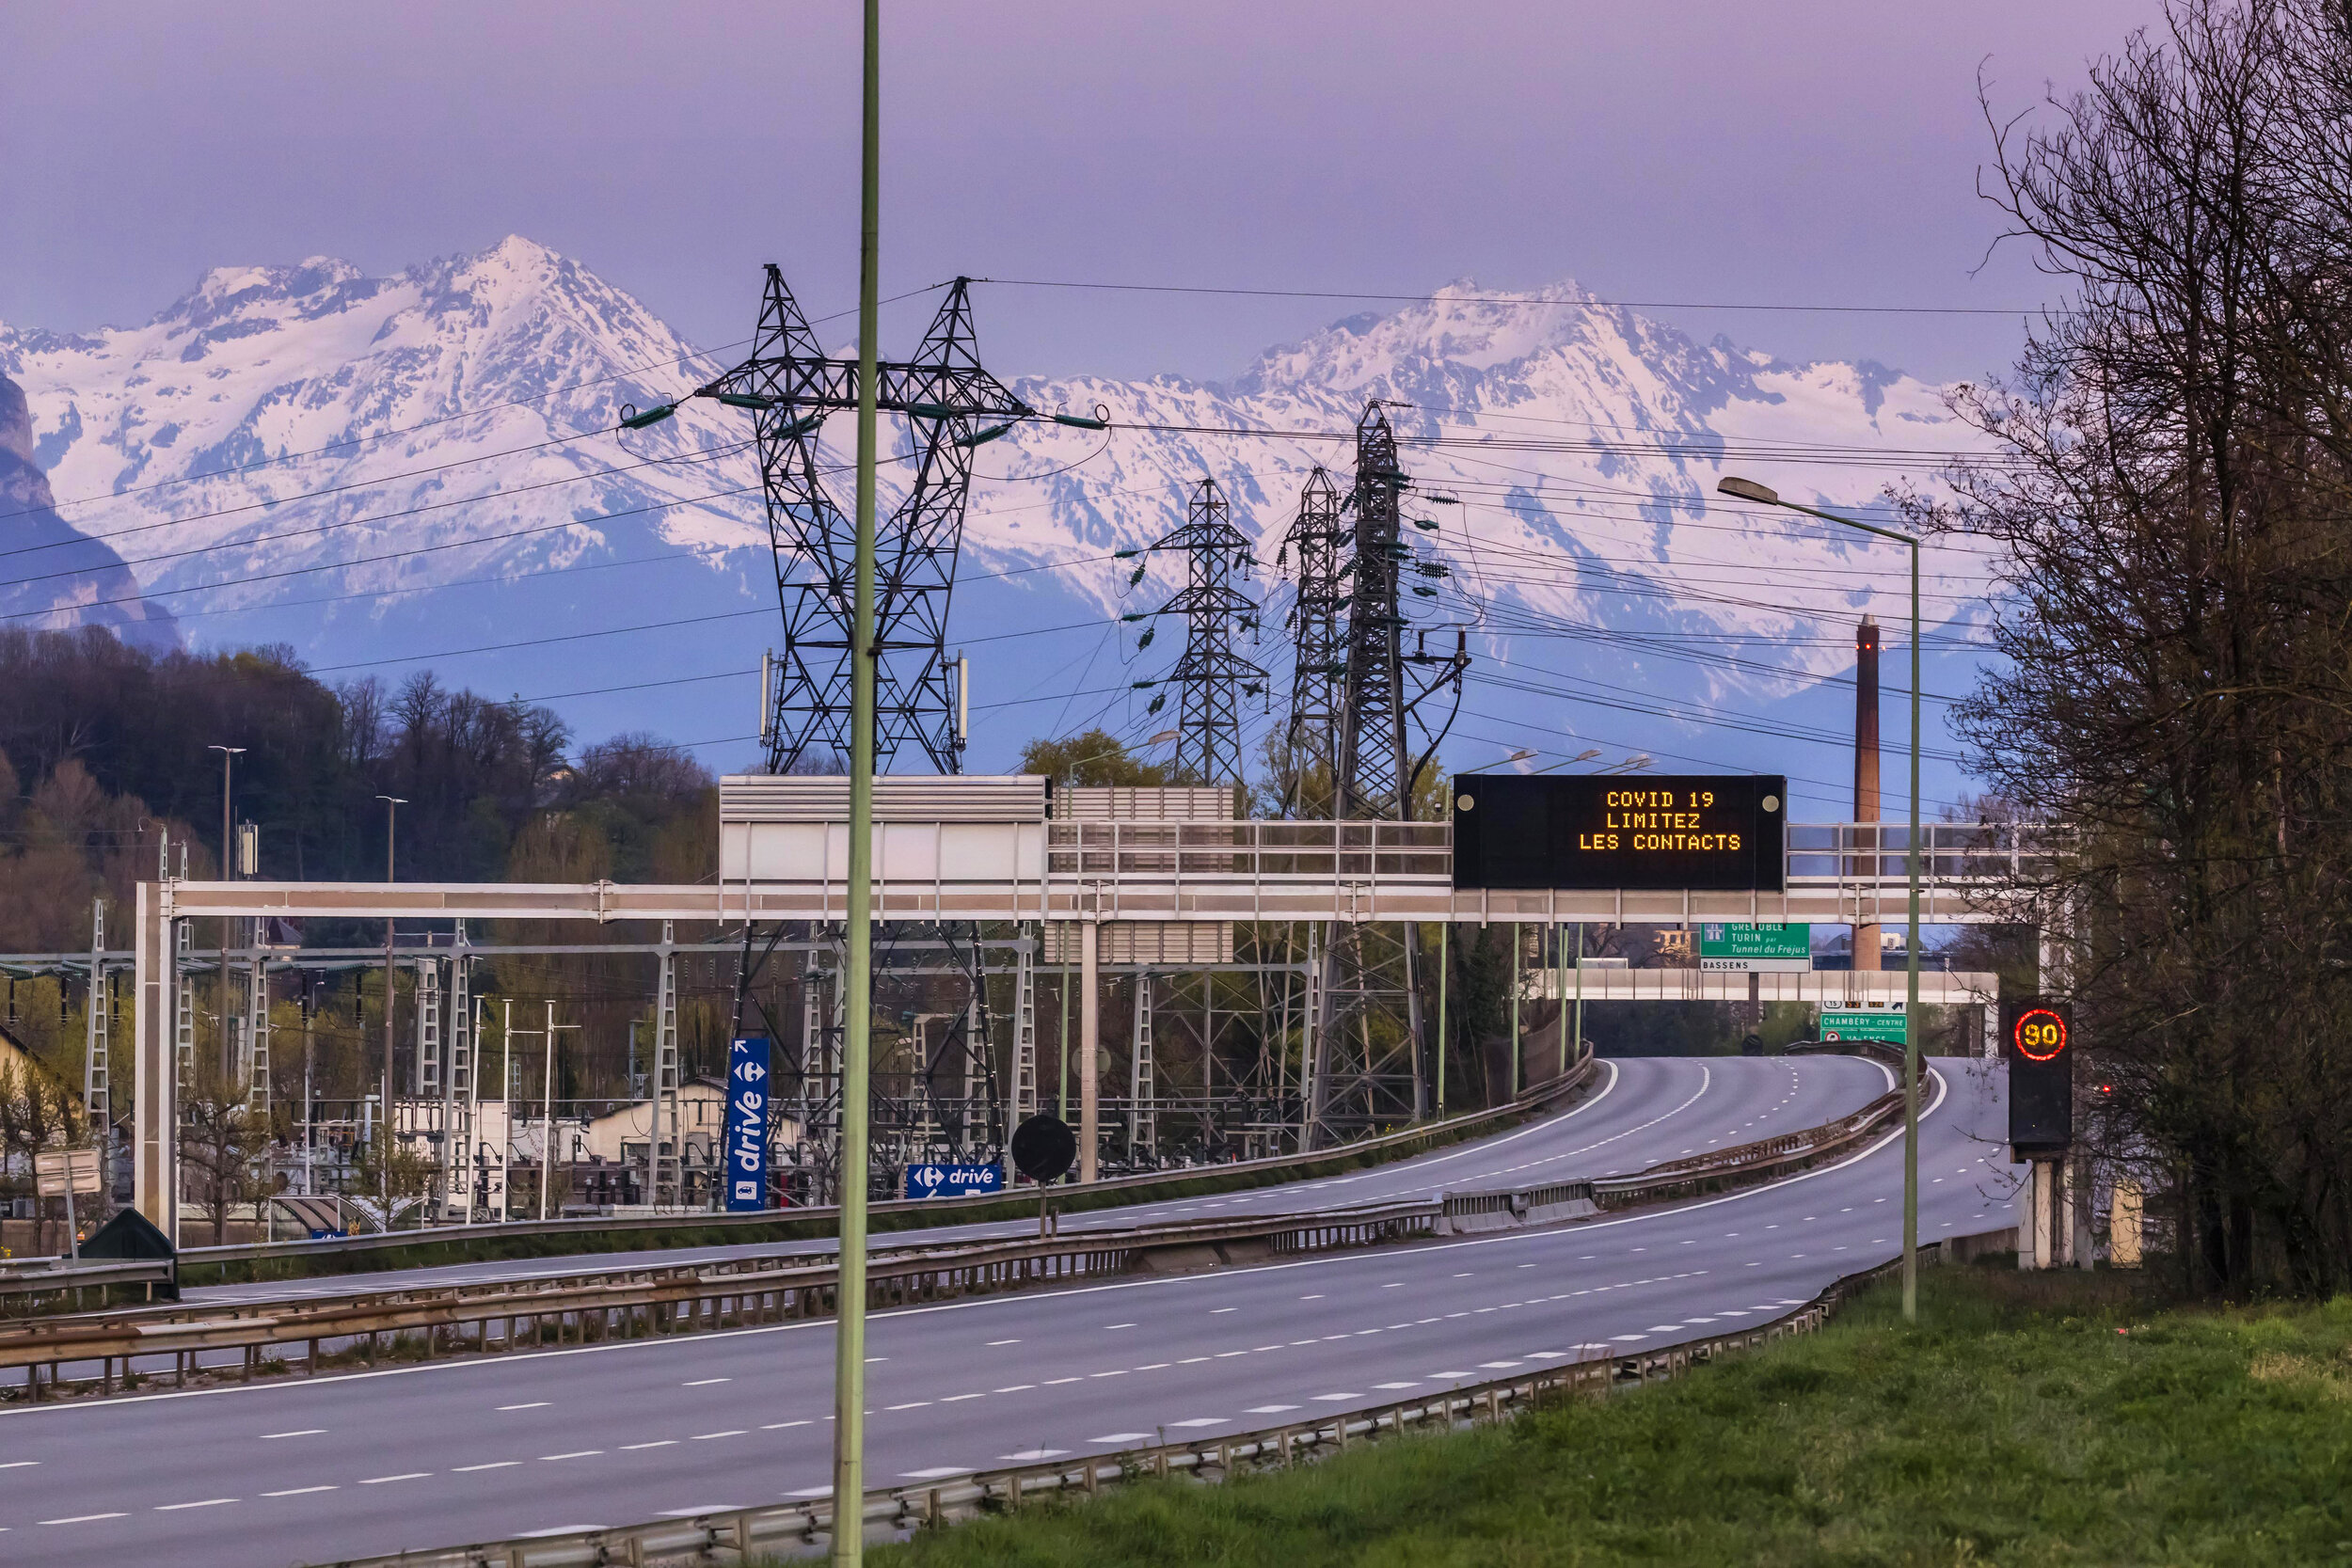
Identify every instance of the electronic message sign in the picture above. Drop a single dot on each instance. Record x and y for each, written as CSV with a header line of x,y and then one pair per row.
x,y
1711,833
2038,1039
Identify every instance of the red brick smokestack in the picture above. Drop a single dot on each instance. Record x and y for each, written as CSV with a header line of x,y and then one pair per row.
x,y
1866,766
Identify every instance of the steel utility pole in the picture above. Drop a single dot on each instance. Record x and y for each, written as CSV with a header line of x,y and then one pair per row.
x,y
848,1372
1747,489
228,756
391,823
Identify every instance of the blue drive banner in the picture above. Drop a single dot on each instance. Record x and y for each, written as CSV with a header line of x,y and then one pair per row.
x,y
747,1124
954,1180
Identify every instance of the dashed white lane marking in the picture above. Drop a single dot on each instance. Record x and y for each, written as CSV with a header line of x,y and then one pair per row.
x,y
273,1436
707,1436
576,1453
1268,1409
692,1513
1026,1455
493,1464
19,1465
386,1481
779,1426
300,1491
660,1443
534,1405
705,1382
84,1518
1204,1421
1413,1385
1334,1399
1120,1438
937,1472
208,1502
994,1343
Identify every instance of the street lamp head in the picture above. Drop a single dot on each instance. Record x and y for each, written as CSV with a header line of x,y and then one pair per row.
x,y
1749,490
232,750
1519,755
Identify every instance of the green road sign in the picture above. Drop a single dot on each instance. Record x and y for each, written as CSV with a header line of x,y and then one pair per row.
x,y
1855,1025
1771,947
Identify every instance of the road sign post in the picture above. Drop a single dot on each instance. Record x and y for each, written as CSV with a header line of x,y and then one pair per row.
x,y
62,1173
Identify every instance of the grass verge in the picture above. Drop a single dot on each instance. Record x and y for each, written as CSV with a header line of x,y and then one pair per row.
x,y
2028,1418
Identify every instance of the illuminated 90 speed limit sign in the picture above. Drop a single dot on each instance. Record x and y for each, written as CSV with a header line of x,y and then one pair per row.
x,y
2039,1033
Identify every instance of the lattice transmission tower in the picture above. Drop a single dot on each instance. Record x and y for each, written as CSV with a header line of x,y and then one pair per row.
x,y
1366,1065
1212,675
1318,667
951,406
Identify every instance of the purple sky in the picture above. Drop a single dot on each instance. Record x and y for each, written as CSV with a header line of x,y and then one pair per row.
x,y
1712,151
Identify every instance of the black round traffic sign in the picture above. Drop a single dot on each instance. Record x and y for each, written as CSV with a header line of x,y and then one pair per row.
x,y
1043,1148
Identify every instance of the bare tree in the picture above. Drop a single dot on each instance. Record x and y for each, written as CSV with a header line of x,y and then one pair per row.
x,y
2173,504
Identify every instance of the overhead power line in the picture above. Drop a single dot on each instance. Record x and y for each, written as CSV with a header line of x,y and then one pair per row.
x,y
1578,302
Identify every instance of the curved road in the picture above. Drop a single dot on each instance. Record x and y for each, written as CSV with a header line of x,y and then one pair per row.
x,y
1645,1110
455,1451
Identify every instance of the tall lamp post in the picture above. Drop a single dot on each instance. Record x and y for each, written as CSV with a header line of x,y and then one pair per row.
x,y
1748,490
848,1547
391,823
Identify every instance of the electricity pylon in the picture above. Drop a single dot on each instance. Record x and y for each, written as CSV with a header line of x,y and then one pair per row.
x,y
1212,676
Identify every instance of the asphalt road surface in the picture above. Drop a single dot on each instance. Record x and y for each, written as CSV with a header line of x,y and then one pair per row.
x,y
1643,1110
450,1452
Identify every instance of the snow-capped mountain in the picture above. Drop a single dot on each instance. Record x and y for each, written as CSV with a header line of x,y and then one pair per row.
x,y
387,473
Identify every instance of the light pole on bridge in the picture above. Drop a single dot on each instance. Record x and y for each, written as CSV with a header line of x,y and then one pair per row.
x,y
1747,489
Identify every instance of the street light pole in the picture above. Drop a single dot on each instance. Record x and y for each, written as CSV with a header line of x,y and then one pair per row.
x,y
1747,489
392,824
848,1547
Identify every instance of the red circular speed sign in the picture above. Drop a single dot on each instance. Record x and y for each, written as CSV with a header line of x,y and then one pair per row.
x,y
2041,1035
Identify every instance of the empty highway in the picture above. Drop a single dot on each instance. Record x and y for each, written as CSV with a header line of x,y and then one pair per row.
x,y
453,1451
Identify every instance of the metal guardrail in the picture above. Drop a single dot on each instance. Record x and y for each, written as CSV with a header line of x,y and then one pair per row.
x,y
633,1302
1270,1171
628,1304
800,1526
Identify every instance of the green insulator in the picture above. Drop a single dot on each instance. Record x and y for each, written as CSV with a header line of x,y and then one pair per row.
x,y
1139,574
744,400
631,419
1143,685
1079,421
982,437
1427,525
801,426
1145,641
1128,554
1157,704
931,411
1139,616
1424,593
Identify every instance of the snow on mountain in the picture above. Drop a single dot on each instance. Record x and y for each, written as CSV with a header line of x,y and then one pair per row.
x,y
378,469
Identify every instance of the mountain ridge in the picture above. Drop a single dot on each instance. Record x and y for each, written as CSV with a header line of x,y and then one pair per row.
x,y
345,463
